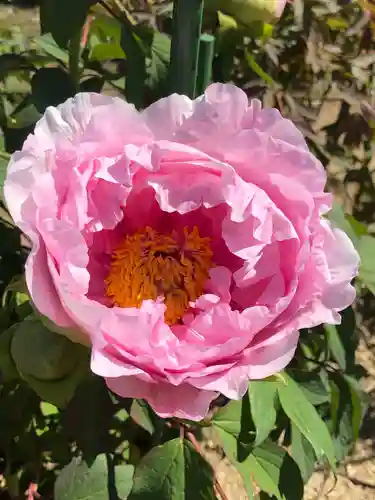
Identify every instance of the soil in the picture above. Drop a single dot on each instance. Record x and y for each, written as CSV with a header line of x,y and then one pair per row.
x,y
356,477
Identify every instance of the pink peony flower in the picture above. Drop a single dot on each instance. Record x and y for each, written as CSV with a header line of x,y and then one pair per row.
x,y
186,241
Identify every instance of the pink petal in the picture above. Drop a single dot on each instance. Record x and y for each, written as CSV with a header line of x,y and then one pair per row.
x,y
183,401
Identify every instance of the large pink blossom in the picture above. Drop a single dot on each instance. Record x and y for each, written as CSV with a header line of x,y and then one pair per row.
x,y
185,241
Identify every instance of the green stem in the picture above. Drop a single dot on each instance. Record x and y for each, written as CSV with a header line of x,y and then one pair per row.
x,y
74,60
187,25
206,57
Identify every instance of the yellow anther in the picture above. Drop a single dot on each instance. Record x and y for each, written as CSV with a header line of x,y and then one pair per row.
x,y
149,265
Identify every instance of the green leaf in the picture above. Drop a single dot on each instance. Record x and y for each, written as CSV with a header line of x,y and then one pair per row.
x,y
47,409
90,427
159,59
3,167
136,66
63,19
228,418
339,219
8,368
262,396
106,51
337,23
349,337
92,84
50,87
13,62
335,345
303,414
366,249
302,453
104,29
276,472
358,410
50,47
173,471
230,446
140,413
348,407
316,388
97,481
45,355
62,391
226,22
25,115
52,365
341,417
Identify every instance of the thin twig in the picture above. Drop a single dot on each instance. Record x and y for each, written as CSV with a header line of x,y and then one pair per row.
x,y
196,445
122,15
108,9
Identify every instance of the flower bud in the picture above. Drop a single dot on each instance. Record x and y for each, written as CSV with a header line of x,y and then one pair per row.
x,y
247,12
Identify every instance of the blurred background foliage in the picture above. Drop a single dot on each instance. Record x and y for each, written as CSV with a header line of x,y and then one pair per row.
x,y
317,66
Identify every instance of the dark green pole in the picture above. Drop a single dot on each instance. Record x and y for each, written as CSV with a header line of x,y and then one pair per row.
x,y
187,25
205,60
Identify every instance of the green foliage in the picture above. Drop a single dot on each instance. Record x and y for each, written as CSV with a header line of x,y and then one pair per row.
x,y
61,421
98,480
50,87
262,396
173,471
64,19
304,416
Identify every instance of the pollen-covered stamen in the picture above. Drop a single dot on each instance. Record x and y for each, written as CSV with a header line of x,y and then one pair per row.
x,y
148,265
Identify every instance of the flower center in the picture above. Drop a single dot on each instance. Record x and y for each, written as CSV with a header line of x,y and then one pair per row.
x,y
148,265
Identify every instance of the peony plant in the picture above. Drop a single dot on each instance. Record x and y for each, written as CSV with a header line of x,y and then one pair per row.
x,y
186,269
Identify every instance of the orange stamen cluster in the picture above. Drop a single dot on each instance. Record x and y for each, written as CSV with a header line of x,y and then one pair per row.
x,y
149,265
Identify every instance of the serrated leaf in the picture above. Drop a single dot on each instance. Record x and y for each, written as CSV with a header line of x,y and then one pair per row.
x,y
173,471
98,481
160,50
262,395
303,414
302,453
